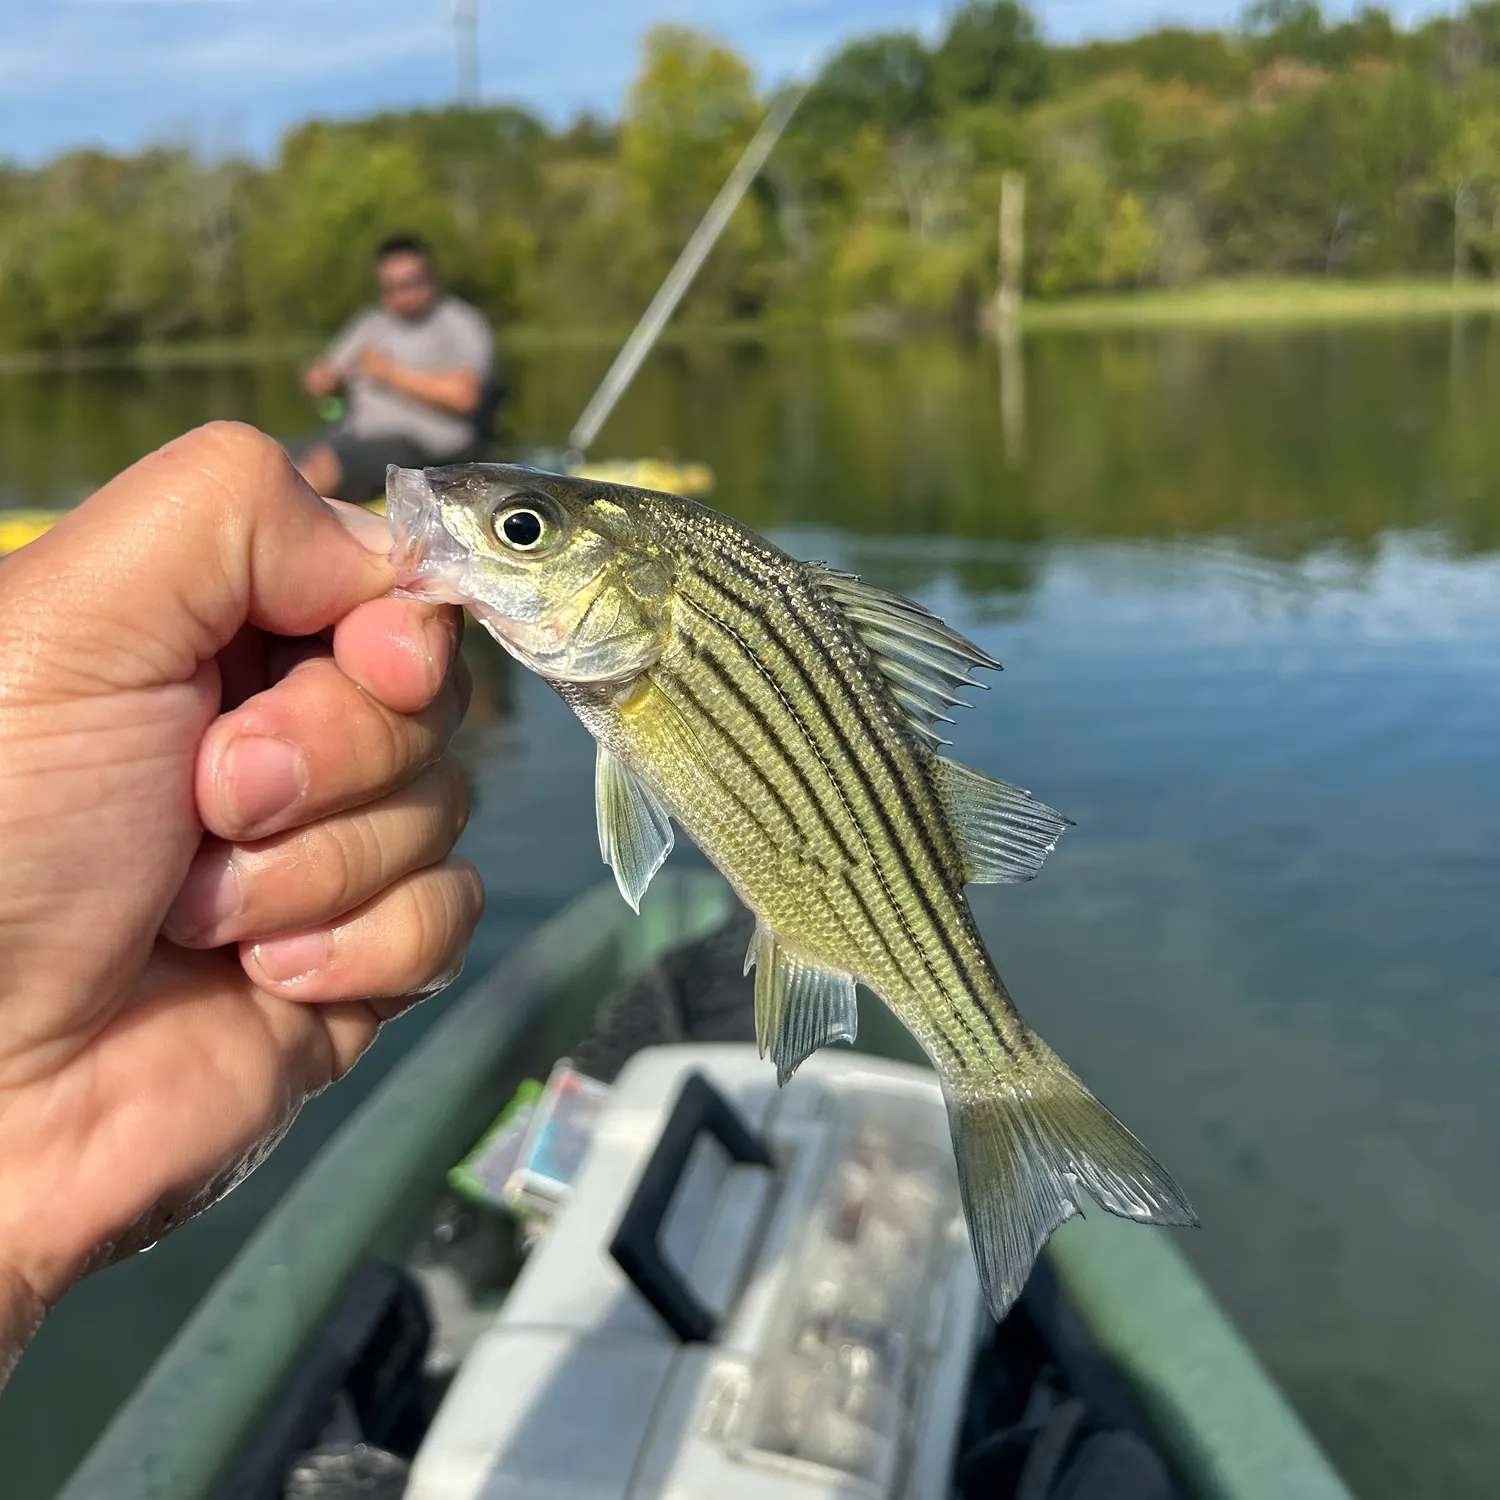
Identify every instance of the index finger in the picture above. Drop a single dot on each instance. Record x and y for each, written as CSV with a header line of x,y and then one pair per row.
x,y
399,650
157,572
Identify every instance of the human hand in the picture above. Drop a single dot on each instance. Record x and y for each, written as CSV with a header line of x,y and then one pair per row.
x,y
213,730
320,380
376,364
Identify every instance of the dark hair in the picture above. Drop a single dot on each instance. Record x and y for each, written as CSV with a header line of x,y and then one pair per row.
x,y
403,244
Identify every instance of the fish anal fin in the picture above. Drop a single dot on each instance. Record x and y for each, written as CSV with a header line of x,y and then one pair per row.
x,y
1003,833
1027,1150
799,1006
635,832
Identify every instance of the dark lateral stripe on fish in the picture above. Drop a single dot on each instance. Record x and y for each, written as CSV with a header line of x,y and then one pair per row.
x,y
728,682
836,732
675,683
976,975
854,704
960,963
723,671
759,668
810,740
726,672
680,687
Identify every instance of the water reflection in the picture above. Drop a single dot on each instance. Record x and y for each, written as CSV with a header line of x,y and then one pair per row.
x,y
1243,589
1284,441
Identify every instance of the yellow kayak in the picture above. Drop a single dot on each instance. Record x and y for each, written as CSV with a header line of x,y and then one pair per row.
x,y
17,527
693,480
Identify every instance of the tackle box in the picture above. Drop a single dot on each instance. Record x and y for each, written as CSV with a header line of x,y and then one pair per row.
x,y
748,1293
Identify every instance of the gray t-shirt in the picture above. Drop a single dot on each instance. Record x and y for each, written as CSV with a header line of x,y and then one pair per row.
x,y
452,336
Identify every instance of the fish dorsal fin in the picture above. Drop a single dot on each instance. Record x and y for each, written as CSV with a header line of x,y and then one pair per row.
x,y
799,1006
1003,832
635,833
921,659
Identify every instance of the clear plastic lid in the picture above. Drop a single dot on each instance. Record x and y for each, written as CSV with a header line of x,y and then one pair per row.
x,y
836,1385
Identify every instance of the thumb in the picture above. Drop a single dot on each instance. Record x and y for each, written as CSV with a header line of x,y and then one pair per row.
x,y
156,572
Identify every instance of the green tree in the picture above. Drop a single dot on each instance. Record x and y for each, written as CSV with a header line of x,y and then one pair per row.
x,y
991,50
1206,60
885,81
1467,174
690,113
1332,179
71,272
317,219
1296,144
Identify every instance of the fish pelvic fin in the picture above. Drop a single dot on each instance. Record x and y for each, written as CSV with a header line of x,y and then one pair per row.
x,y
1027,1144
799,1006
635,831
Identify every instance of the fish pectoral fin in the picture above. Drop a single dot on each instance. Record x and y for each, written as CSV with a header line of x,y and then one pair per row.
x,y
1026,1147
635,831
1003,833
799,1006
921,659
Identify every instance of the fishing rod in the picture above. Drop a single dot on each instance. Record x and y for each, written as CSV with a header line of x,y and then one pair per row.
x,y
680,277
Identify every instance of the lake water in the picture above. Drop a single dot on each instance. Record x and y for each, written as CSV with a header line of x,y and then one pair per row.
x,y
1246,588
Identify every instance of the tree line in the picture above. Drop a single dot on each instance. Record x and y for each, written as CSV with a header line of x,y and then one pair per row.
x,y
1294,145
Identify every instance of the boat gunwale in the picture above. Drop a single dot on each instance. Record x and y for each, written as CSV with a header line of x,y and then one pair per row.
x,y
367,1191
1223,1423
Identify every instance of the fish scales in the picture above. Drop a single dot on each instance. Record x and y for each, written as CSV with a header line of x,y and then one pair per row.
x,y
820,679
783,715
877,872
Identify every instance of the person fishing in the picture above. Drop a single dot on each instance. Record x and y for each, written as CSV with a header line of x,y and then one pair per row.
x,y
417,374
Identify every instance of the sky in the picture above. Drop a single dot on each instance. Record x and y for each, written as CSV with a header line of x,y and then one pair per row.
x,y
230,76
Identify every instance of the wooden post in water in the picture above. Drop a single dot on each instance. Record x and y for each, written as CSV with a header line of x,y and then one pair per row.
x,y
1008,316
1012,245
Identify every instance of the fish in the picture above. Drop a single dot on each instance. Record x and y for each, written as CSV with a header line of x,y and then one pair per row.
x,y
786,716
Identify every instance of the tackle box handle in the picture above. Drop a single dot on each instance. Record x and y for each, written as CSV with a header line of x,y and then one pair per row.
x,y
636,1246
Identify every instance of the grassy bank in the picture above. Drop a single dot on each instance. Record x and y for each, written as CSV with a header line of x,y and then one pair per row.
x,y
1252,303
1238,304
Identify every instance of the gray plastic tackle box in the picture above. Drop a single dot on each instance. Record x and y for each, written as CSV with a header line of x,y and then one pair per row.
x,y
815,1320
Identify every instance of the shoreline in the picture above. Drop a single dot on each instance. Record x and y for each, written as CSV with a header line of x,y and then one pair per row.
x,y
1215,305
1249,304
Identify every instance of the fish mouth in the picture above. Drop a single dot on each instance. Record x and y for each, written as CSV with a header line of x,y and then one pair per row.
x,y
429,561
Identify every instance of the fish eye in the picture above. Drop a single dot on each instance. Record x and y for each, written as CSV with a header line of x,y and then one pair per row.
x,y
524,523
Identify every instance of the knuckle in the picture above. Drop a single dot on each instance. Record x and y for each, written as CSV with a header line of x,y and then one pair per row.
x,y
352,854
245,447
390,742
424,927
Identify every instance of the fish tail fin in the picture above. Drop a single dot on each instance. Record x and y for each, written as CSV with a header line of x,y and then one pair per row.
x,y
1027,1142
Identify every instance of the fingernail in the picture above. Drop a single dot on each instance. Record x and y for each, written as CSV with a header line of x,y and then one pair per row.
x,y
372,532
288,958
441,638
261,777
210,896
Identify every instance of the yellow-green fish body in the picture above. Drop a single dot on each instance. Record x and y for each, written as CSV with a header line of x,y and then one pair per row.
x,y
784,715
